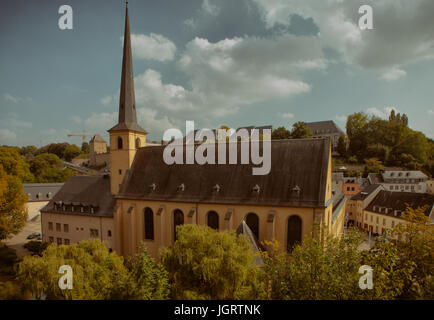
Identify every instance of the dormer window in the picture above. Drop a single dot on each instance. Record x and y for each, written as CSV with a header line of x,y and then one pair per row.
x,y
153,186
49,194
296,190
217,188
256,189
181,187
81,209
92,210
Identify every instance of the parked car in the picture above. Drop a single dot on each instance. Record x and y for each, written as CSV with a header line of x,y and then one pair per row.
x,y
34,235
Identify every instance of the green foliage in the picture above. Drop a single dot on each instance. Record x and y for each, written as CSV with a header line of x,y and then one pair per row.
x,y
36,247
14,165
28,151
8,257
280,134
373,165
352,160
47,167
97,274
392,142
85,148
206,264
13,211
342,146
71,152
57,148
316,270
10,290
151,280
300,131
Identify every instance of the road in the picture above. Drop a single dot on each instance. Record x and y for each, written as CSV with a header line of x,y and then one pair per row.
x,y
20,239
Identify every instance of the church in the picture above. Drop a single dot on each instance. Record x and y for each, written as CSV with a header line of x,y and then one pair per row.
x,y
143,199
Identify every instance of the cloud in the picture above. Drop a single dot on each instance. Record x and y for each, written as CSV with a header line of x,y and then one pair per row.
x,y
230,74
101,121
287,115
340,118
403,30
76,119
149,119
381,113
106,100
431,112
7,136
191,23
210,8
152,47
393,74
13,99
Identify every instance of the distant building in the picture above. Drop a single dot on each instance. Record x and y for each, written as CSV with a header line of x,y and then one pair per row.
x,y
322,129
82,209
38,195
348,185
386,209
430,186
400,181
357,203
98,152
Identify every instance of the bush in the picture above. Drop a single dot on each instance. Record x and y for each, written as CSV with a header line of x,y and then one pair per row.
x,y
36,247
207,264
8,257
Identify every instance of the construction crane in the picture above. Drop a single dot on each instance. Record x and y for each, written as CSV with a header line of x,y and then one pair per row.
x,y
84,135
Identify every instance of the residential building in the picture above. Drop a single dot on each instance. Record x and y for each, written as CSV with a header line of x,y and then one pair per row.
x,y
38,195
386,209
400,181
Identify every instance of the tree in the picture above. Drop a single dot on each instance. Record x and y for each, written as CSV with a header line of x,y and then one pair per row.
x,y
356,132
85,148
207,264
97,274
342,146
47,167
151,280
373,165
416,248
57,148
36,247
13,211
300,131
28,151
14,165
71,152
317,270
280,134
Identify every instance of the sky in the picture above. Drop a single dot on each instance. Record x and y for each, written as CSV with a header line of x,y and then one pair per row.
x,y
216,62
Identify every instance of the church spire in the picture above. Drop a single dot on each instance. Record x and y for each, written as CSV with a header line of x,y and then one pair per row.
x,y
127,101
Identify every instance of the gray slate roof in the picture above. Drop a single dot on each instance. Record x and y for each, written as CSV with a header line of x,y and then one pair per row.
x,y
294,163
41,191
86,191
324,127
399,200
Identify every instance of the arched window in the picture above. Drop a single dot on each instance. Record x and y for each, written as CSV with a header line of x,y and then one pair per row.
x,y
120,144
294,232
178,219
149,223
138,143
252,221
213,220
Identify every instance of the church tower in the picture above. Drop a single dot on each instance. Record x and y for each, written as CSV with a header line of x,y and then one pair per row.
x,y
126,136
